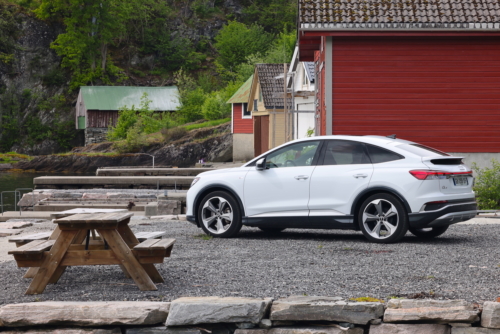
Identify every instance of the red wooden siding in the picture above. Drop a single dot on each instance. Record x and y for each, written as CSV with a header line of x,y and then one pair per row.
x,y
241,125
101,119
439,91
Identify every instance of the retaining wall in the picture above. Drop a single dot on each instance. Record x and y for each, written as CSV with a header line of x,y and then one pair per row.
x,y
232,315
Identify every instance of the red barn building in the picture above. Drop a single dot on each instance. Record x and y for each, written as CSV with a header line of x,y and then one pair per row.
x,y
425,70
242,123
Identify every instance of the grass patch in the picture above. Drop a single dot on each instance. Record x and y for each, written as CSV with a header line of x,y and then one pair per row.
x,y
367,299
207,124
203,237
10,157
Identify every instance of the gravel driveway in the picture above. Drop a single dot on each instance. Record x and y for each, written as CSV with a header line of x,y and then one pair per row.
x,y
463,263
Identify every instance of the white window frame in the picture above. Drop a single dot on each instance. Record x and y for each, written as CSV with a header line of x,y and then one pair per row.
x,y
243,113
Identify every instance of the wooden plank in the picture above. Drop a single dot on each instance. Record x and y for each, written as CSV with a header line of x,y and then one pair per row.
x,y
163,244
145,245
89,258
30,237
22,249
149,260
124,254
111,217
149,252
47,245
80,237
53,236
51,262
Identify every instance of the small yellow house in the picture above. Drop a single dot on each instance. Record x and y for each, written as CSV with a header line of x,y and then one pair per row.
x,y
267,105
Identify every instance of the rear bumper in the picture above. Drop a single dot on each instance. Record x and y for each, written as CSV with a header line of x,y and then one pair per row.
x,y
450,214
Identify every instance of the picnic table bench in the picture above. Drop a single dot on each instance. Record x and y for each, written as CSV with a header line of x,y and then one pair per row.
x,y
71,245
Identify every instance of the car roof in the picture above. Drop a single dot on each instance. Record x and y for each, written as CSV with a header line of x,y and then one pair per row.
x,y
377,140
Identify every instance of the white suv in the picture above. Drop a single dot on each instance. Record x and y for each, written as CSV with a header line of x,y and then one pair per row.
x,y
380,185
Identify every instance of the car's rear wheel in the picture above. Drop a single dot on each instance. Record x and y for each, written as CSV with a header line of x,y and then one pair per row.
x,y
271,230
219,215
428,233
383,219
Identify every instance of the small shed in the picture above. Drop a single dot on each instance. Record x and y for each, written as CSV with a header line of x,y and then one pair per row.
x,y
242,123
97,106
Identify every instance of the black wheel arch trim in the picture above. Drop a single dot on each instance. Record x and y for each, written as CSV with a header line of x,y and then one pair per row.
x,y
215,187
382,189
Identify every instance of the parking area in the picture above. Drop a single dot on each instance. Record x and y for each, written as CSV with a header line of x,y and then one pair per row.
x,y
464,263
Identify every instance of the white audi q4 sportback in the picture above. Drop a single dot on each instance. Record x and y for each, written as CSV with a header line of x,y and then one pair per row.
x,y
380,185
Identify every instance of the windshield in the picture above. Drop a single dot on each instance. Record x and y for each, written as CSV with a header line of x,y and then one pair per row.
x,y
421,150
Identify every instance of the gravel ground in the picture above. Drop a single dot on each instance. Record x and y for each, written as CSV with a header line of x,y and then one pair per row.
x,y
463,263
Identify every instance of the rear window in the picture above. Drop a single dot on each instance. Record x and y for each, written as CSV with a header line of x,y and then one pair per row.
x,y
422,150
379,155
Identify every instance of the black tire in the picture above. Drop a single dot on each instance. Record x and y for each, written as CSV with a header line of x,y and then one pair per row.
x,y
428,233
271,230
230,229
379,209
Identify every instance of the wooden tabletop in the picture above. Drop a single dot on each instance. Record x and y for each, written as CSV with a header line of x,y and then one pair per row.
x,y
93,220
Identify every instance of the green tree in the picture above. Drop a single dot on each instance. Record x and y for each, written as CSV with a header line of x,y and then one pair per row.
x,y
91,26
236,40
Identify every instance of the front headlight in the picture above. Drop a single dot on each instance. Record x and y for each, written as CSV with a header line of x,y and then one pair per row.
x,y
196,179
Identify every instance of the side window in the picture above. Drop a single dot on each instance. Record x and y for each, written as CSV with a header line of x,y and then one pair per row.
x,y
246,113
300,154
379,155
344,152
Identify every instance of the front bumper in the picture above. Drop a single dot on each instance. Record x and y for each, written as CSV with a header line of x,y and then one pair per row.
x,y
191,219
449,214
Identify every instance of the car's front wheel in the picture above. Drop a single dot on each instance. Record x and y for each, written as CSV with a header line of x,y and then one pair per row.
x,y
219,215
382,218
428,233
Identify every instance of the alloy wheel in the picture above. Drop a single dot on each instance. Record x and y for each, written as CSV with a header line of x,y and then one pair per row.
x,y
217,215
380,219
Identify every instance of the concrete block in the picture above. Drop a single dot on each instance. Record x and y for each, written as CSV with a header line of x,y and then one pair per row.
x,y
490,317
409,329
169,207
151,209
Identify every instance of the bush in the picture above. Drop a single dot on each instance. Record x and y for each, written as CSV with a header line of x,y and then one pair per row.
x,y
487,186
173,134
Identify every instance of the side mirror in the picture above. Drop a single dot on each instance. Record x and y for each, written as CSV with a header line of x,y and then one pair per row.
x,y
260,164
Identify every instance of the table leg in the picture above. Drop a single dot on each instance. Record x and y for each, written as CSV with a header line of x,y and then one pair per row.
x,y
51,262
131,240
33,270
80,237
125,255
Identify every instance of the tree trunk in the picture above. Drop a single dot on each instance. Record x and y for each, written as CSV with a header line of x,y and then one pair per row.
x,y
104,55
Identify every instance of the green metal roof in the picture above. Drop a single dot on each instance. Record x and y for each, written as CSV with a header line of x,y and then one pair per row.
x,y
241,95
117,97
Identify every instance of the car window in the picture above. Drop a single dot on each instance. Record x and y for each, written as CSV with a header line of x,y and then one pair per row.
x,y
422,150
344,152
379,154
300,154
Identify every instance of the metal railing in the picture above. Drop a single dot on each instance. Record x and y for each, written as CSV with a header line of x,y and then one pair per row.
x,y
17,197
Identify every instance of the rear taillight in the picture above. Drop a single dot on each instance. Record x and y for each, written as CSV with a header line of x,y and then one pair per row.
x,y
436,174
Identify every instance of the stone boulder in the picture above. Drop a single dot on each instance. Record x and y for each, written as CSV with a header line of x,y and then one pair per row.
x,y
410,329
474,330
209,310
94,196
15,224
490,317
83,314
169,207
315,330
68,331
437,311
67,195
299,308
120,195
30,199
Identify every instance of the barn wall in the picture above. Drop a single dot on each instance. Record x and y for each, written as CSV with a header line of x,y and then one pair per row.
x,y
101,118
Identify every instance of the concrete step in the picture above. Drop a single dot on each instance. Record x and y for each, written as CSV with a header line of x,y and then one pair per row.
x,y
64,207
115,182
151,171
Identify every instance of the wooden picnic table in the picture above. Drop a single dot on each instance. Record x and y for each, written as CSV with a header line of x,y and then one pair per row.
x,y
71,245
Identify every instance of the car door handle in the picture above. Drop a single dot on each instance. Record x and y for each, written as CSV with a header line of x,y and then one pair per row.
x,y
301,177
360,175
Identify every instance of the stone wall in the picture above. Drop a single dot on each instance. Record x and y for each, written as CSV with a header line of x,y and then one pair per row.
x,y
243,149
235,315
95,135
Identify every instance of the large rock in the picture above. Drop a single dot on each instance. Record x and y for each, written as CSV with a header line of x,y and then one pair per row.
x,y
94,196
153,330
474,330
120,195
67,195
490,317
68,331
410,329
30,199
15,224
298,308
314,330
438,311
7,232
83,313
209,310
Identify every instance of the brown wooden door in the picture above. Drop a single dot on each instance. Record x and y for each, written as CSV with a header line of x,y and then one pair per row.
x,y
256,136
264,126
